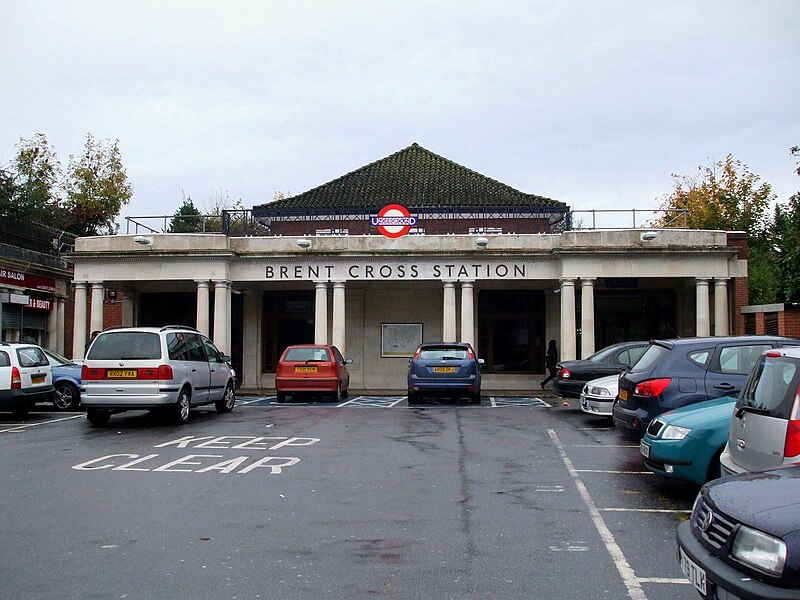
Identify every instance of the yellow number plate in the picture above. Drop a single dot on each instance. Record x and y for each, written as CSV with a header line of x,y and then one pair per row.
x,y
305,369
623,395
121,373
444,369
38,378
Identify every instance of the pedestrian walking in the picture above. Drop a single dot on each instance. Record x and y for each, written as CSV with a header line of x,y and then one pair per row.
x,y
550,362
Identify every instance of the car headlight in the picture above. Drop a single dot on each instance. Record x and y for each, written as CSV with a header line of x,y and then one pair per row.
x,y
598,391
673,432
759,550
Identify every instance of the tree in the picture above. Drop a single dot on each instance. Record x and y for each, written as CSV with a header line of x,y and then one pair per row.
x,y
35,183
785,236
8,192
97,188
187,219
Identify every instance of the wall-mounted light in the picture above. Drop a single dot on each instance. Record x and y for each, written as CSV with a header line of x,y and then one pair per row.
x,y
143,240
648,236
482,242
304,243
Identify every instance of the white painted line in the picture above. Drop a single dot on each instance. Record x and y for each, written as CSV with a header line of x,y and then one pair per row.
x,y
649,510
251,401
493,401
662,580
349,401
601,446
544,402
635,591
615,472
396,402
22,427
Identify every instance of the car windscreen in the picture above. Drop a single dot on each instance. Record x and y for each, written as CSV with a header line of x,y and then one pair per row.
x,y
306,355
58,358
771,387
125,345
651,356
443,353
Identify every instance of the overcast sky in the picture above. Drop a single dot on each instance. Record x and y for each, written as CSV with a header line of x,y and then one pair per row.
x,y
591,103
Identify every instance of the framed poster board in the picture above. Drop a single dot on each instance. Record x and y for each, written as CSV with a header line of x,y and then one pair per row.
x,y
400,340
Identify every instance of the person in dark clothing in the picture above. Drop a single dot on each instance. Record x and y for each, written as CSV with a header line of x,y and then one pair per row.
x,y
550,361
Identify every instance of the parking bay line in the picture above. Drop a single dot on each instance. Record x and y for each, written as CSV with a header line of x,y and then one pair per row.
x,y
614,472
649,510
635,591
23,427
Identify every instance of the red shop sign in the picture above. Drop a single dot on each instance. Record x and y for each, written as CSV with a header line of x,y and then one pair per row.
x,y
27,280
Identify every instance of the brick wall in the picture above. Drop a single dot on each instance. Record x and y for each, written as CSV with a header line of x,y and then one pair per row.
x,y
431,226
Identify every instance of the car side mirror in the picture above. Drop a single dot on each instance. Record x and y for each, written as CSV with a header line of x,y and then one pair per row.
x,y
348,361
226,358
481,361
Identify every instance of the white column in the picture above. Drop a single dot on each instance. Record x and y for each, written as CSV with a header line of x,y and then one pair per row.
x,y
321,313
587,317
568,345
221,325
60,324
52,326
203,300
338,316
703,324
98,295
251,361
79,321
229,318
468,313
129,300
449,312
721,317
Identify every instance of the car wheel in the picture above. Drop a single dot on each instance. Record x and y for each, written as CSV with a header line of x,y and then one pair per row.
x,y
414,398
180,411
20,410
228,400
338,395
66,396
98,418
475,399
281,397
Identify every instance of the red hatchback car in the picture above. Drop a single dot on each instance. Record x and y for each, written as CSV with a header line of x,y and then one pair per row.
x,y
312,369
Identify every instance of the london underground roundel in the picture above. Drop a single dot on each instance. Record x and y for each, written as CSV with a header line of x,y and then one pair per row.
x,y
394,220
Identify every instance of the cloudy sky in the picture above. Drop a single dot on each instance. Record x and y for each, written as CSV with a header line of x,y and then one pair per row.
x,y
591,103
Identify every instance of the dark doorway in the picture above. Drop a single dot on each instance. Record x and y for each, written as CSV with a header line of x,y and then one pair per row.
x,y
511,328
173,308
288,319
624,316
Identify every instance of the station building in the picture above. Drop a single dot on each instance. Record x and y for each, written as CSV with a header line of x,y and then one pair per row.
x,y
413,248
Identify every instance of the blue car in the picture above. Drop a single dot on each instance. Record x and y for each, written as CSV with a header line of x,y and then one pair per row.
x,y
686,443
66,380
444,369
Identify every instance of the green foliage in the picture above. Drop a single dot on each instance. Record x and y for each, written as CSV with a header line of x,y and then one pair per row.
x,y
762,273
34,182
187,219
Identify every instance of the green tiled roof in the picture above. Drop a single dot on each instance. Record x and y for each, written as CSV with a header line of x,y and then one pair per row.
x,y
414,177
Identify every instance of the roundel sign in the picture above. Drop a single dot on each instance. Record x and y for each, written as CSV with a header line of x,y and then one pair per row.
x,y
394,220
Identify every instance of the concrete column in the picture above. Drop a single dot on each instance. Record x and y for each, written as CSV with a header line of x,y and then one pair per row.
x,y
221,323
129,302
449,312
321,313
568,333
203,301
702,316
468,312
251,361
51,338
79,321
339,316
721,316
98,295
61,324
587,317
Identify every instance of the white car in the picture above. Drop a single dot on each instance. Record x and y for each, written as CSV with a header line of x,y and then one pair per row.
x,y
598,395
25,377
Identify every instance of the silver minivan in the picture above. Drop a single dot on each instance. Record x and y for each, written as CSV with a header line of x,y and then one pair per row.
x,y
170,369
765,428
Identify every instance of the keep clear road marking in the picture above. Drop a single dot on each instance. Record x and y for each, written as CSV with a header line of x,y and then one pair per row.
x,y
635,591
23,427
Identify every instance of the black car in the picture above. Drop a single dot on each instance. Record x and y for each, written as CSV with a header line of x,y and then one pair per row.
x,y
674,373
572,375
743,538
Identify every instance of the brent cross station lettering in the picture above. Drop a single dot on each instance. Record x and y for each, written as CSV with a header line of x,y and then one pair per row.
x,y
398,271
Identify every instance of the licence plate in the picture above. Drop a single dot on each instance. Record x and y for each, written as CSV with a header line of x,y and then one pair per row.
x,y
693,572
644,449
121,373
38,378
305,369
444,369
623,395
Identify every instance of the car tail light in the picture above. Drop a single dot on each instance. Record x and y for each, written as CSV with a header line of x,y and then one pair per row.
x,y
791,447
651,387
564,373
470,354
417,353
165,372
16,379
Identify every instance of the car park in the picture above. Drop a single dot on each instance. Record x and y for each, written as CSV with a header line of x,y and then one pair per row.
x,y
312,369
169,369
686,443
765,429
743,537
598,395
572,375
25,377
66,381
676,373
444,370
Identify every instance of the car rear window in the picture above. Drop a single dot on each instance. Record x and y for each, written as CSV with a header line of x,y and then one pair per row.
x,y
31,357
651,356
5,360
443,353
306,354
125,345
772,387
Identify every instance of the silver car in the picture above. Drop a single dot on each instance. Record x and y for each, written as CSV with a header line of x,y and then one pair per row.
x,y
171,369
765,428
598,395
